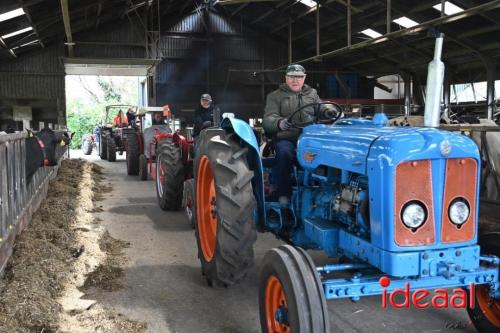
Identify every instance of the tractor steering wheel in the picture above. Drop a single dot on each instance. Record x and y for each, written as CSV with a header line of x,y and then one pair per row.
x,y
321,115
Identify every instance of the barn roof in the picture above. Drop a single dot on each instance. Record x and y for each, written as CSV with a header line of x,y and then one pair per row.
x,y
471,28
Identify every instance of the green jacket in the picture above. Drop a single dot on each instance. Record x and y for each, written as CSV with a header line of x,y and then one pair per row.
x,y
282,103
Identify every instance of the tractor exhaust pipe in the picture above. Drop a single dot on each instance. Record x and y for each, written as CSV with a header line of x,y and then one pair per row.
x,y
434,88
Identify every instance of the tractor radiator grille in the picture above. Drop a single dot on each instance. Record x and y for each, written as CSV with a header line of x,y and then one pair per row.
x,y
413,183
460,182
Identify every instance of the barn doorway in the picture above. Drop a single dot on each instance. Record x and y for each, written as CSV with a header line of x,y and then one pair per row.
x,y
93,84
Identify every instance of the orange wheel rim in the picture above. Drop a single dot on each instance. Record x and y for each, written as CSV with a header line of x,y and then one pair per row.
x,y
276,307
206,208
489,306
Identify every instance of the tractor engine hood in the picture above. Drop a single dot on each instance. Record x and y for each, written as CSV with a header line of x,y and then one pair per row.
x,y
351,143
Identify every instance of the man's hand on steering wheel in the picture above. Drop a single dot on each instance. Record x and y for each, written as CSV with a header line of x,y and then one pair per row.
x,y
284,124
324,113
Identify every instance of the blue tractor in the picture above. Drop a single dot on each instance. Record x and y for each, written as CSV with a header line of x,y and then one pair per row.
x,y
398,204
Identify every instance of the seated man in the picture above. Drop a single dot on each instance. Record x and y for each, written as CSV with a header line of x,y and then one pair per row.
x,y
120,120
130,117
158,119
280,104
204,115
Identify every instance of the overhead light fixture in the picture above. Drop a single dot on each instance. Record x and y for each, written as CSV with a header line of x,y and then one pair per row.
x,y
449,8
308,3
12,52
15,33
371,33
405,22
13,13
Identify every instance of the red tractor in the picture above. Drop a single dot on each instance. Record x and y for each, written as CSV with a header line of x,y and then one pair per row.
x,y
159,148
113,137
173,172
150,123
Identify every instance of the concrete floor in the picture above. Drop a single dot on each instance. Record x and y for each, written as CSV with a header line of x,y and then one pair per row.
x,y
164,286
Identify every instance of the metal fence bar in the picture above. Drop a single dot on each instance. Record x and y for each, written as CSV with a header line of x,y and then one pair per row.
x,y
10,181
4,192
19,199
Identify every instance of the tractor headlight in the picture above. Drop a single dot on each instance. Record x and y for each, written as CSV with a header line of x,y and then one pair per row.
x,y
459,211
414,214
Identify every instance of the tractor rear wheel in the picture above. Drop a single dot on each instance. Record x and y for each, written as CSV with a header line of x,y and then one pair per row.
x,y
132,154
188,201
103,147
143,167
169,175
486,314
291,297
224,205
86,146
111,145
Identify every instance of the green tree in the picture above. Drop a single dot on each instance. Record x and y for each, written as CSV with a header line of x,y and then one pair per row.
x,y
86,110
81,120
112,94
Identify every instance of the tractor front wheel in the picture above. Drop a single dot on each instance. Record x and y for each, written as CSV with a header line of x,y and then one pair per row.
x,y
132,154
224,205
291,297
169,175
143,167
486,314
111,145
103,147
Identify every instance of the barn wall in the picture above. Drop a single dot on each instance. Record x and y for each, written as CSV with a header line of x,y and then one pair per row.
x,y
37,77
114,40
196,61
34,79
208,52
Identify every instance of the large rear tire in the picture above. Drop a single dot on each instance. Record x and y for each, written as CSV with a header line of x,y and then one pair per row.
x,y
224,205
111,147
291,297
486,314
103,147
86,146
169,175
143,167
132,154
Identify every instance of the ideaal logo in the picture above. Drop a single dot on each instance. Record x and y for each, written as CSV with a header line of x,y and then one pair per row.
x,y
422,298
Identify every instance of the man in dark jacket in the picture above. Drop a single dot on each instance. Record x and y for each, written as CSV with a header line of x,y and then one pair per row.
x,y
130,117
280,104
204,115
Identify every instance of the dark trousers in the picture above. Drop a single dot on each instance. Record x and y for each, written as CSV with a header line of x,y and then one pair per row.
x,y
285,158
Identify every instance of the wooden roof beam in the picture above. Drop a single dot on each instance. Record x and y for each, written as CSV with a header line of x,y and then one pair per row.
x,y
67,27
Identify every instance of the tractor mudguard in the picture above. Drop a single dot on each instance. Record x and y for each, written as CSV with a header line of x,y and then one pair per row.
x,y
245,133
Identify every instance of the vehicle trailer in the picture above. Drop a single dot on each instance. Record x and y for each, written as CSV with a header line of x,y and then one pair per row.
x,y
399,203
88,144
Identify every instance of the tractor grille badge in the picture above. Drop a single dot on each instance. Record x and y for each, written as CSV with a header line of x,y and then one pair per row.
x,y
445,148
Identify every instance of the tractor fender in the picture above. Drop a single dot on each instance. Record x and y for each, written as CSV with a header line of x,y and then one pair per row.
x,y
246,134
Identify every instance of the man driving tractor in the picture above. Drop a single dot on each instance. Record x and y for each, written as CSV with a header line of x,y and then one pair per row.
x,y
203,116
158,119
281,104
120,120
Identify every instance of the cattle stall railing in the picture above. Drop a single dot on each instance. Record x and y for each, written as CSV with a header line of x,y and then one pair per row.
x,y
19,199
